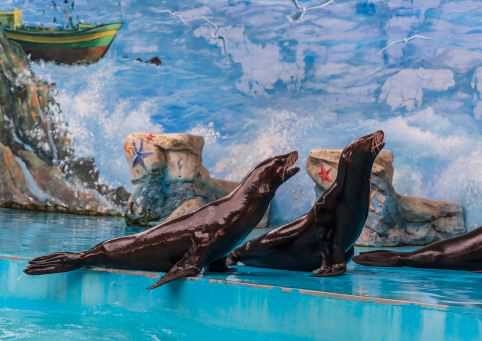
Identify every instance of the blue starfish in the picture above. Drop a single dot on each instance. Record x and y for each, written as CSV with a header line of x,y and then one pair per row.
x,y
140,155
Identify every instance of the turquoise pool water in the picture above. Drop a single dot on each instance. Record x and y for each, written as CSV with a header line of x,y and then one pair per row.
x,y
259,304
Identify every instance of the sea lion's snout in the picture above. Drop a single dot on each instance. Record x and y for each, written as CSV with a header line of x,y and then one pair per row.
x,y
367,146
372,143
273,172
378,141
289,168
291,158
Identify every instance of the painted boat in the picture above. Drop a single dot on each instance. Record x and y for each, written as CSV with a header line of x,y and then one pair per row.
x,y
83,44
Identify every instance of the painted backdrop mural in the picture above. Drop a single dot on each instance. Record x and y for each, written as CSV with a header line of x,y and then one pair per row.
x,y
263,77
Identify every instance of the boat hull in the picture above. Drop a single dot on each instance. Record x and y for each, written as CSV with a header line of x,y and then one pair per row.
x,y
85,55
66,47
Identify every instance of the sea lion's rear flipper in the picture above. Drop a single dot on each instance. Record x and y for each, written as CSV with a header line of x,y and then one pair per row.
x,y
54,263
379,258
189,265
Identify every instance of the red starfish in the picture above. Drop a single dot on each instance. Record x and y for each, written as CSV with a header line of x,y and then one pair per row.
x,y
325,174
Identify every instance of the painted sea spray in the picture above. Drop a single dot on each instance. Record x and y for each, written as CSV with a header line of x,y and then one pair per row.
x,y
300,51
43,171
37,157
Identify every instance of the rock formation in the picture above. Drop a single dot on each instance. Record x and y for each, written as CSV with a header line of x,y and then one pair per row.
x,y
169,178
37,163
393,219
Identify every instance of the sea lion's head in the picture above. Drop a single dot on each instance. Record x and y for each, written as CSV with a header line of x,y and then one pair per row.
x,y
364,149
357,159
266,177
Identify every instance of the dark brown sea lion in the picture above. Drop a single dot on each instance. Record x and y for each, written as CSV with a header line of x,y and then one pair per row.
x,y
322,240
184,246
459,253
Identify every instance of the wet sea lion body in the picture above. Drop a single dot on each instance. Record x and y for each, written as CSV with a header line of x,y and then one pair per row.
x,y
322,240
184,246
459,253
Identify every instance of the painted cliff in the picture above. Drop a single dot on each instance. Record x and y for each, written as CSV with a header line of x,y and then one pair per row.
x,y
38,167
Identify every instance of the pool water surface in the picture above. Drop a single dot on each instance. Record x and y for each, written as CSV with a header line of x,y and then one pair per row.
x,y
261,304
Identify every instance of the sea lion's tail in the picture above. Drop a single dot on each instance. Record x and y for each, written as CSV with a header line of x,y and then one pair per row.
x,y
379,258
54,263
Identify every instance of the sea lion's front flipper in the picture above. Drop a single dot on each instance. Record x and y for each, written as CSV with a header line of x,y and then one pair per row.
x,y
333,260
331,265
333,270
336,269
189,265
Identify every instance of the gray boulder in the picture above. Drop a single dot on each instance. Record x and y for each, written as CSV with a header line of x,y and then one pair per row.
x,y
169,178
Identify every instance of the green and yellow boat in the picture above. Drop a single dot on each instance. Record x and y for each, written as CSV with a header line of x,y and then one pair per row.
x,y
82,44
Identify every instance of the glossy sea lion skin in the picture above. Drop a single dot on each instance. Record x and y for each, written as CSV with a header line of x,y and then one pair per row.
x,y
184,246
459,253
322,240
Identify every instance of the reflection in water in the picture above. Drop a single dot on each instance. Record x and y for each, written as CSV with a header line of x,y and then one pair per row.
x,y
87,303
30,234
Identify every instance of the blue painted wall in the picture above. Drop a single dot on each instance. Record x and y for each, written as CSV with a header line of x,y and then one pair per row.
x,y
255,82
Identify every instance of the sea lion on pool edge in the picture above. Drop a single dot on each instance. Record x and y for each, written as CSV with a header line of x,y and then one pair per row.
x,y
184,246
459,253
322,240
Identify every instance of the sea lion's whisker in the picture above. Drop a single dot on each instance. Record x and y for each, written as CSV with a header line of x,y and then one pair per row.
x,y
377,143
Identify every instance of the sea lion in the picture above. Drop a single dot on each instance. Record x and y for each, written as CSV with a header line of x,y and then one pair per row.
x,y
459,253
322,240
184,246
